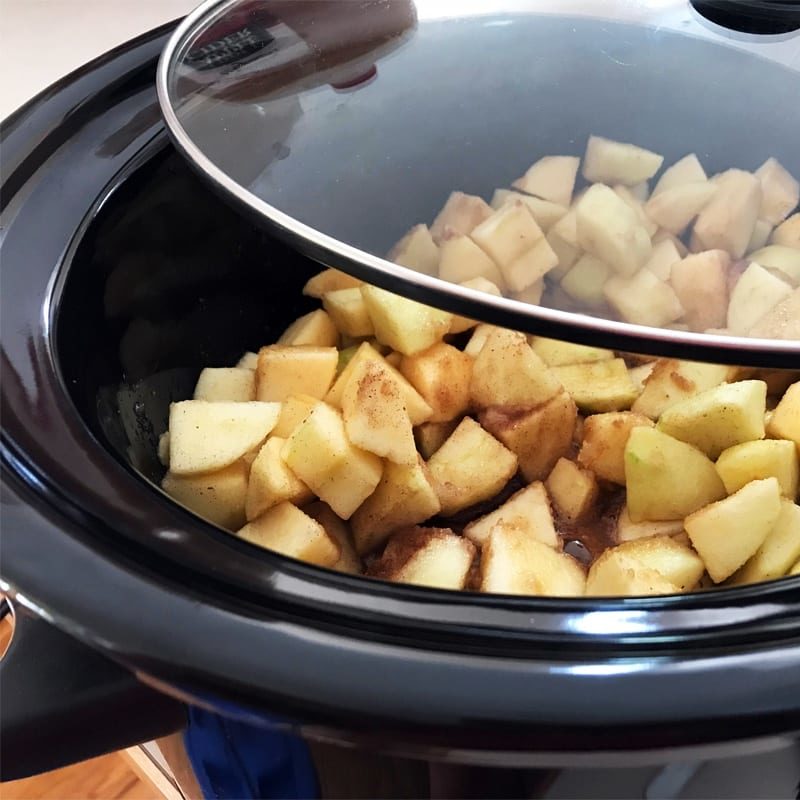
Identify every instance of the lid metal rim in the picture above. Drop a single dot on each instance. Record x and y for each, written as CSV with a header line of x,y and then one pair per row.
x,y
325,248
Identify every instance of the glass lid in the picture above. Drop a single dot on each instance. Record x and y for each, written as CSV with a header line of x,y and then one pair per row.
x,y
623,174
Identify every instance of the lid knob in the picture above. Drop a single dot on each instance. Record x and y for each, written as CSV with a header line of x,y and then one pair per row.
x,y
752,16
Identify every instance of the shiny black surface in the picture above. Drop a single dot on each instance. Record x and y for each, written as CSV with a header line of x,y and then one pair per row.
x,y
96,547
464,99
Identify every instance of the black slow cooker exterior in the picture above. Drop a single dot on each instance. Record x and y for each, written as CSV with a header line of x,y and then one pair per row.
x,y
121,277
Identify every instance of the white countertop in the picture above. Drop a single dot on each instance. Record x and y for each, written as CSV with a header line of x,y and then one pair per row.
x,y
43,40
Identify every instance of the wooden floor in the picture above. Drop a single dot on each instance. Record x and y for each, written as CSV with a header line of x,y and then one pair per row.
x,y
105,778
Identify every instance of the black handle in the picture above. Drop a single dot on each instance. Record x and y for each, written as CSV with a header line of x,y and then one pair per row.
x,y
752,16
62,702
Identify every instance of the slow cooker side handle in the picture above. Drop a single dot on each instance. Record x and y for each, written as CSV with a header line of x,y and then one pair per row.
x,y
62,702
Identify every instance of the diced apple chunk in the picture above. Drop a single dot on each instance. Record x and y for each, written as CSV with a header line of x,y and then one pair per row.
x,y
405,496
629,531
418,410
785,420
329,280
430,436
231,385
284,371
348,560
514,562
727,533
248,361
290,532
416,250
779,550
321,455
551,178
460,324
643,299
508,373
441,374
728,220
750,461
672,381
574,490
402,324
433,557
686,170
538,436
556,353
462,260
375,416
315,328
607,161
788,232
662,258
586,280
529,268
783,261
666,478
471,466
780,191
527,511
673,209
700,282
348,312
462,213
604,439
545,212
718,418
624,193
610,230
597,387
677,562
294,410
616,574
760,235
272,482
478,339
755,294
216,496
209,436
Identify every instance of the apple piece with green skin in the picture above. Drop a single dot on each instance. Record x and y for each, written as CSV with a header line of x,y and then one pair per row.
x,y
610,230
405,496
528,510
719,418
686,170
780,191
729,532
728,219
417,251
607,161
289,531
514,562
601,386
700,282
321,455
551,178
778,552
470,467
218,497
375,417
750,461
402,324
643,299
667,479
605,437
462,213
209,436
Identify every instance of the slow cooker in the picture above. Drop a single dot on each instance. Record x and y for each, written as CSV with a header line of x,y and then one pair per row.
x,y
126,269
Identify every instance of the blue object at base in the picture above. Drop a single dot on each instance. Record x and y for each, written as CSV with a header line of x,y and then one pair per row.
x,y
236,761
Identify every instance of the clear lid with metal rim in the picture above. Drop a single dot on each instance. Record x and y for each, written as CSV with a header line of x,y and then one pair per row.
x,y
622,173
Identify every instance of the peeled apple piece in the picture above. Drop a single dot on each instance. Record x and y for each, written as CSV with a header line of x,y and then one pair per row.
x,y
673,209
643,299
755,294
782,261
787,233
607,161
701,283
780,191
551,178
687,170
